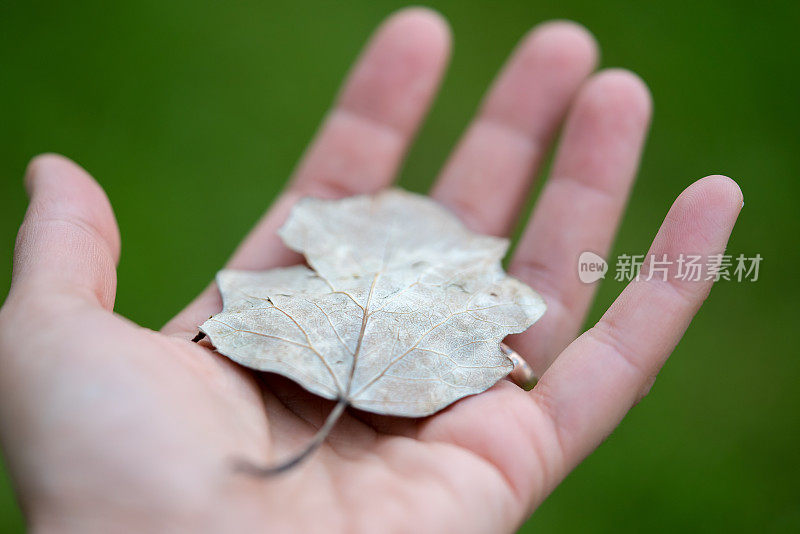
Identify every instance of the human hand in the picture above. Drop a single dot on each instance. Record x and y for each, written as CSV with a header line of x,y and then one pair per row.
x,y
107,426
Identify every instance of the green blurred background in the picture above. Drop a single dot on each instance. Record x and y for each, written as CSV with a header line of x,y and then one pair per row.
x,y
193,114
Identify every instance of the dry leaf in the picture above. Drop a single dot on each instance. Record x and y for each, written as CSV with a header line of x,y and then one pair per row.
x,y
402,314
402,311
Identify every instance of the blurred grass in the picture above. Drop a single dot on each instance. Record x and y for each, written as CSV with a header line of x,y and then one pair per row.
x,y
193,114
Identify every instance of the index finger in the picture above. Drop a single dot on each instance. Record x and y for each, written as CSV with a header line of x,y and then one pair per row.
x,y
359,146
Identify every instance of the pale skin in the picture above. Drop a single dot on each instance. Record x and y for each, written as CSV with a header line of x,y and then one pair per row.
x,y
107,426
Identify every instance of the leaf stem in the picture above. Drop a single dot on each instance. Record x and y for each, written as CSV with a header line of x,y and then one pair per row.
x,y
244,466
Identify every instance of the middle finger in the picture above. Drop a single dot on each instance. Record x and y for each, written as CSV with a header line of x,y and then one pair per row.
x,y
489,173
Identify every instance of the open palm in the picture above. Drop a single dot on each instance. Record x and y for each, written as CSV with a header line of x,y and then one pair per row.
x,y
109,426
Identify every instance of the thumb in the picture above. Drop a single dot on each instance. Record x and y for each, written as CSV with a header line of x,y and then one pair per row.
x,y
69,241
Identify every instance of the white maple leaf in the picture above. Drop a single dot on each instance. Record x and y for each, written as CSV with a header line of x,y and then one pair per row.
x,y
401,313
